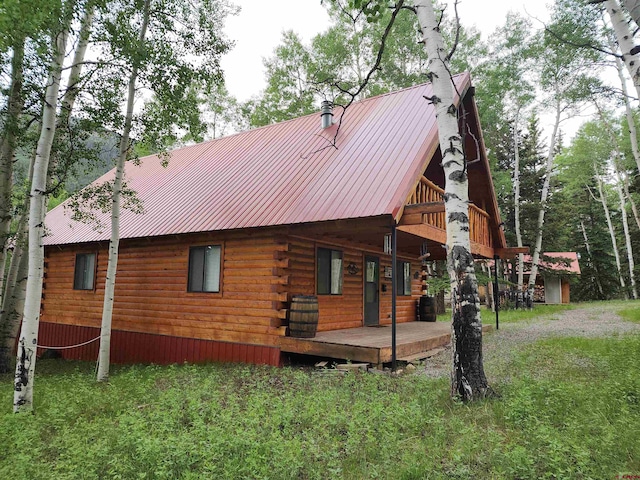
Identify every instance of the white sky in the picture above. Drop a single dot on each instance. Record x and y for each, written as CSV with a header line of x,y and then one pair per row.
x,y
257,31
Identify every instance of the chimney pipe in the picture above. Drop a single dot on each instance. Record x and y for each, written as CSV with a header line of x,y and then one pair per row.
x,y
326,114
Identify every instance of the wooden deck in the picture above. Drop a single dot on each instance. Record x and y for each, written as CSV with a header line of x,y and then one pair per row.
x,y
373,344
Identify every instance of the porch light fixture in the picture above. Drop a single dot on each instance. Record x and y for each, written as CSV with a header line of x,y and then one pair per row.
x,y
352,268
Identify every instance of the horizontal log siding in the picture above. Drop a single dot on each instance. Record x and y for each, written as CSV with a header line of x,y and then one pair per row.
x,y
405,305
335,311
346,310
151,289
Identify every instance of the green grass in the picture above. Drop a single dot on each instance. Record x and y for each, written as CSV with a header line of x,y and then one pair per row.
x,y
631,311
568,408
511,316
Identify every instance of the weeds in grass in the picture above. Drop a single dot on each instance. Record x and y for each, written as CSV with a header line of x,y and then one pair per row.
x,y
571,409
568,408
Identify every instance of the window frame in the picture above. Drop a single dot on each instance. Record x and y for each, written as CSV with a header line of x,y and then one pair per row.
x,y
93,273
401,279
203,246
317,271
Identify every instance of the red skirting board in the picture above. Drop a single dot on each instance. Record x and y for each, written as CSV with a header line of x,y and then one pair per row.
x,y
135,347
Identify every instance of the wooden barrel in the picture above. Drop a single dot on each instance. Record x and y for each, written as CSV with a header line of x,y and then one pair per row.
x,y
303,316
427,309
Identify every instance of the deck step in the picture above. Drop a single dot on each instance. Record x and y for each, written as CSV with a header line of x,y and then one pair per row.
x,y
422,355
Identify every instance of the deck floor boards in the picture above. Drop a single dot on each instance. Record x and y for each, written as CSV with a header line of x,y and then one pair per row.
x,y
373,344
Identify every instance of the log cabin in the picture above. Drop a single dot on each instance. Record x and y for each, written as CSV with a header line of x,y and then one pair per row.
x,y
233,228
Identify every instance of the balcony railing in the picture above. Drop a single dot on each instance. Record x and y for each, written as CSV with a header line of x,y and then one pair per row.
x,y
427,192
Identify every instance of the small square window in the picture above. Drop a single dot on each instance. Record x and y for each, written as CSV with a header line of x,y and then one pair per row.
x,y
204,268
329,272
85,270
403,278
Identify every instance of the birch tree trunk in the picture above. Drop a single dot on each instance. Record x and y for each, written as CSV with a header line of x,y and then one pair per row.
x,y
631,124
12,306
27,346
516,200
634,208
543,201
595,268
612,234
8,144
627,239
72,90
13,299
112,267
468,380
624,37
633,7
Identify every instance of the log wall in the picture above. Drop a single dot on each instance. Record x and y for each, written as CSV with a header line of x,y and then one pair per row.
x,y
154,312
151,289
346,310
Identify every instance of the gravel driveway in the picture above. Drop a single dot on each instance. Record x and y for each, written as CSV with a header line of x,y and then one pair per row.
x,y
596,320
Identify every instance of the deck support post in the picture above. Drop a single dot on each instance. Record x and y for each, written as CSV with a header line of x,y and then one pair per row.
x,y
496,289
394,292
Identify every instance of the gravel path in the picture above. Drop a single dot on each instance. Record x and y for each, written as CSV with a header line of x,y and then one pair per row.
x,y
592,321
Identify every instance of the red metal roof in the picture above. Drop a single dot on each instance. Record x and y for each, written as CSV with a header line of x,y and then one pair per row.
x,y
567,262
280,174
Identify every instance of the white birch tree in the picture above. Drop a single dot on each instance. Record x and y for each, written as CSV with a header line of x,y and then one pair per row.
x,y
612,233
14,293
624,37
172,47
627,237
588,248
468,380
124,151
27,345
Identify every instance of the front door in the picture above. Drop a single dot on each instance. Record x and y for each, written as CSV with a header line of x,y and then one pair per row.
x,y
371,290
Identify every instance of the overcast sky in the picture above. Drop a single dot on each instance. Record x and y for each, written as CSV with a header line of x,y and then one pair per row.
x,y
257,31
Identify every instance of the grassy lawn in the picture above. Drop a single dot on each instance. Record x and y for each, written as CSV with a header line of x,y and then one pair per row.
x,y
631,312
570,409
509,316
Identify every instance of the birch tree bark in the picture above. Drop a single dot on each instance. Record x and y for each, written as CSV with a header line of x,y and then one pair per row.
x,y
535,260
27,346
516,199
595,268
633,7
12,305
612,233
8,142
112,266
624,37
631,125
13,298
627,238
634,207
468,380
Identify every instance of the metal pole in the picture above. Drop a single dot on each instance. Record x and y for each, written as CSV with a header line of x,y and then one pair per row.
x,y
394,292
496,289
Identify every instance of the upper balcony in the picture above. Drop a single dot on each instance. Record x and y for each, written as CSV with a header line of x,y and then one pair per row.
x,y
425,210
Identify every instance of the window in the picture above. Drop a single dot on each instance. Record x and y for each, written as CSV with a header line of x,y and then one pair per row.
x,y
403,278
85,270
204,268
329,272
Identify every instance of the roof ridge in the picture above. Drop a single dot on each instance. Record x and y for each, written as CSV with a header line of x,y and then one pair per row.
x,y
315,112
